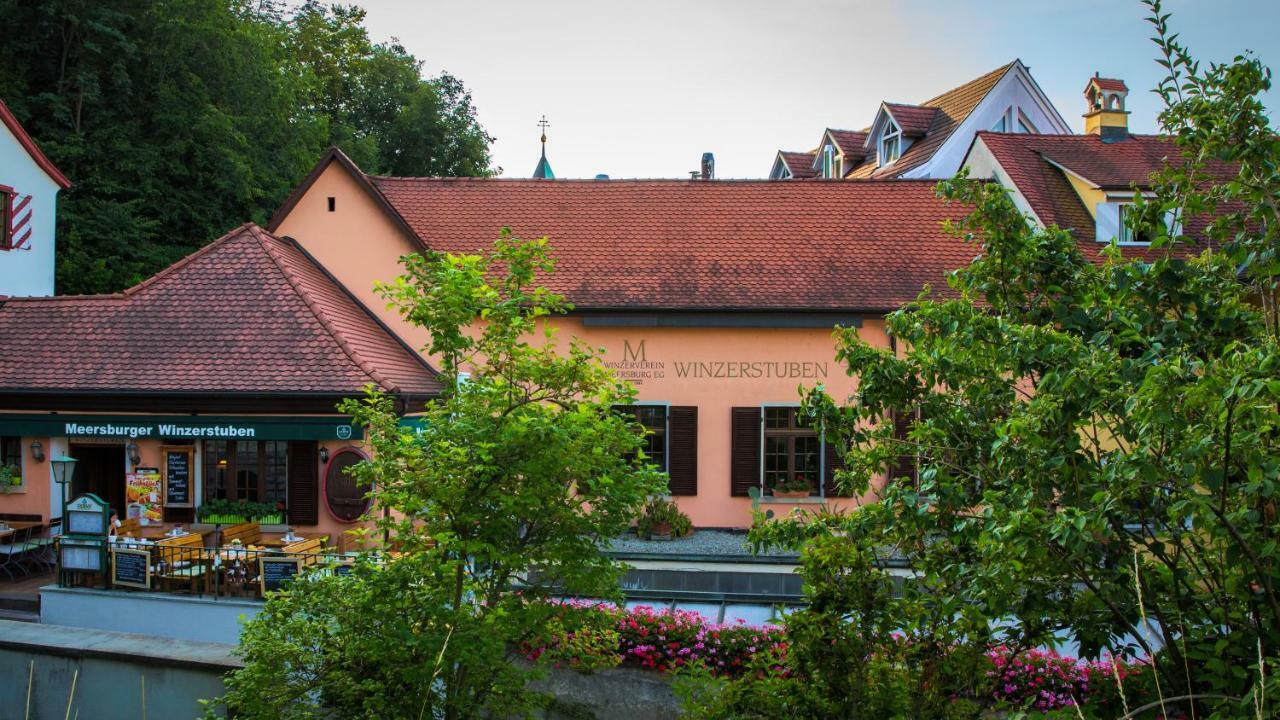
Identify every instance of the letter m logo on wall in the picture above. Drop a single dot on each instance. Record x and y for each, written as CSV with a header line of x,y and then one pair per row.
x,y
15,220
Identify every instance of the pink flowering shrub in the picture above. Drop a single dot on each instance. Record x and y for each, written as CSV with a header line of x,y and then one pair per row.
x,y
588,636
659,640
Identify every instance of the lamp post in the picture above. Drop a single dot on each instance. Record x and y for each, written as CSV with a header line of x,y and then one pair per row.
x,y
64,468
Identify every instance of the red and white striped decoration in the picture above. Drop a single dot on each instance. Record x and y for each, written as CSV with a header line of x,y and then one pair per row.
x,y
19,221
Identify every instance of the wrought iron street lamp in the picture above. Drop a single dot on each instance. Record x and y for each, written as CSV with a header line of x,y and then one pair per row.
x,y
64,469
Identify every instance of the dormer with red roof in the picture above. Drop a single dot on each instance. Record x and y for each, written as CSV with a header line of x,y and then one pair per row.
x,y
929,139
29,185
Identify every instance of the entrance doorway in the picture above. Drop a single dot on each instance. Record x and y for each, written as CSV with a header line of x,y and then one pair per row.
x,y
100,470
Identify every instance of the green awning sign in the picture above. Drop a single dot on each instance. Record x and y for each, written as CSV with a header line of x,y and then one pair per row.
x,y
161,427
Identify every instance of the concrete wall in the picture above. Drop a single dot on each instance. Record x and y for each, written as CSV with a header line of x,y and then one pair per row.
x,y
110,671
180,617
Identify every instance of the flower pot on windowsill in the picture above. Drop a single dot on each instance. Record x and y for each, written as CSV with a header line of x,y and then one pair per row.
x,y
790,494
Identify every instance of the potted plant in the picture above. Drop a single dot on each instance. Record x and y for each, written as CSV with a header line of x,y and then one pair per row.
x,y
796,487
663,520
10,478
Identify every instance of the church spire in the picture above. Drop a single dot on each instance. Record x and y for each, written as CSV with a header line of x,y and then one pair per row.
x,y
544,168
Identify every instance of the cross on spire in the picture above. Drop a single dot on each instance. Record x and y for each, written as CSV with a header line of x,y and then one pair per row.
x,y
544,168
544,125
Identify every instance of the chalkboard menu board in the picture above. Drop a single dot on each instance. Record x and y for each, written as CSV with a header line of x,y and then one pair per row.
x,y
278,572
131,568
177,477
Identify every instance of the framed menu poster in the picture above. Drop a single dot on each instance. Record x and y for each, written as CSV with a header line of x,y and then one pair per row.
x,y
176,463
131,568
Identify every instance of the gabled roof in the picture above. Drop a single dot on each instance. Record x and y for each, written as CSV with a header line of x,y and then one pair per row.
x,y
799,164
694,245
248,313
1107,84
850,143
948,110
20,134
1036,164
913,120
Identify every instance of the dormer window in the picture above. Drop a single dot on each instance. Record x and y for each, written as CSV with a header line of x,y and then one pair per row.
x,y
830,163
890,142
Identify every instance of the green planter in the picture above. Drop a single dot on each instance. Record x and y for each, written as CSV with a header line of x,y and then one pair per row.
x,y
234,519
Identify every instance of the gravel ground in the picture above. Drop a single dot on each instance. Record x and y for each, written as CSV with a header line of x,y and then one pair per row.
x,y
701,542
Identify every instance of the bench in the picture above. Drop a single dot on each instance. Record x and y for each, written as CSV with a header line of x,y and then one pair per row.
x,y
131,527
182,559
249,533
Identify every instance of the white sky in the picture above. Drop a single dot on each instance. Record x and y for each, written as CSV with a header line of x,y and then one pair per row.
x,y
642,89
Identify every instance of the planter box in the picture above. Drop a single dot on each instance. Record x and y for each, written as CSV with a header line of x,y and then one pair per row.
x,y
233,519
791,493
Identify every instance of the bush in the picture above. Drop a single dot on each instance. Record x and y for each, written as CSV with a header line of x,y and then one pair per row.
x,y
659,512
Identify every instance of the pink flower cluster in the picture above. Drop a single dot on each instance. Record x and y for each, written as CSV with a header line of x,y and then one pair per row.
x,y
665,640
1044,680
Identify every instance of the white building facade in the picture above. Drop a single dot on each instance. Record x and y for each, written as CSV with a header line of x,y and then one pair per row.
x,y
29,185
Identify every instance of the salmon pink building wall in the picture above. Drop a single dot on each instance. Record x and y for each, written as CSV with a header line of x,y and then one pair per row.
x,y
713,368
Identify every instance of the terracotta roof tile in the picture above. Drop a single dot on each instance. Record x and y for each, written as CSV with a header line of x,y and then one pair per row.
x,y
698,245
799,163
1107,84
913,120
1033,163
952,107
249,313
851,143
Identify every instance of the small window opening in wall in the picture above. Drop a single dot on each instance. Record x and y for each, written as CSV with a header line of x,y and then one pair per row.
x,y
332,203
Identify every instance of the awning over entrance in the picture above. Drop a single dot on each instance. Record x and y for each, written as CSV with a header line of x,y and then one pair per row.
x,y
170,427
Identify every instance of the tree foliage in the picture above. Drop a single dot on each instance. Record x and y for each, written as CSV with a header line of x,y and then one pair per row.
x,y
494,503
1098,444
179,119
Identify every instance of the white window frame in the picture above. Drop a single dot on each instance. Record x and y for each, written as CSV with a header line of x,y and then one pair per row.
x,y
890,133
1025,126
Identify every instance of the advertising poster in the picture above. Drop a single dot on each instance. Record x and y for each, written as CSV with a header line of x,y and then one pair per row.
x,y
142,495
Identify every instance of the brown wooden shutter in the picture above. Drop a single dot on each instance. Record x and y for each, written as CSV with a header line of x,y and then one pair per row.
x,y
303,503
833,463
682,450
744,463
905,465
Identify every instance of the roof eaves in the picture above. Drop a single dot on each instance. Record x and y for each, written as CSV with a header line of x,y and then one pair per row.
x,y
25,140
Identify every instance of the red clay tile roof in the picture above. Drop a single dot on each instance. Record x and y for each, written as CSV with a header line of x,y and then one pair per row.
x,y
952,108
799,163
11,122
850,143
1107,84
1033,162
696,245
913,120
249,313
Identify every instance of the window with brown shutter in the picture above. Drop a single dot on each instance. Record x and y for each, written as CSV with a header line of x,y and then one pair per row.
x,y
682,450
905,467
303,483
744,461
346,497
831,463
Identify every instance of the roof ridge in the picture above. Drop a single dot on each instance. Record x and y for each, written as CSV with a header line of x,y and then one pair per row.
x,y
616,181
365,366
199,252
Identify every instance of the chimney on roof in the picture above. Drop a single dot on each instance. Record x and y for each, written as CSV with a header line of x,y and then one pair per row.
x,y
708,166
1105,115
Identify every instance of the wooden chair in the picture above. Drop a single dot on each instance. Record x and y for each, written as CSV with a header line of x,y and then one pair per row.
x,y
131,527
249,533
182,559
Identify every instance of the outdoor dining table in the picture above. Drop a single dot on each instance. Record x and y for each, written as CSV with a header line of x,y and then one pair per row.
x,y
14,526
276,540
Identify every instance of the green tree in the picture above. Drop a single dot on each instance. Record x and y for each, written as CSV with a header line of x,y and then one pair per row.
x,y
497,500
1098,445
177,120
